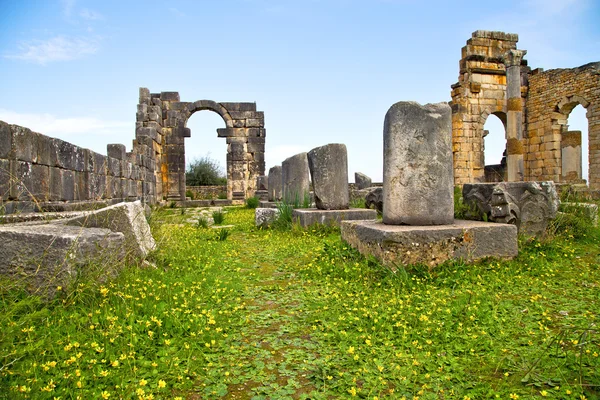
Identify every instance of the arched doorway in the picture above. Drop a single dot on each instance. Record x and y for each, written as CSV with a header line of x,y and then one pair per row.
x,y
205,154
494,147
575,147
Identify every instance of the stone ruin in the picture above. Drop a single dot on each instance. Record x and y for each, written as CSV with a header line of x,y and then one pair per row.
x,y
533,105
418,224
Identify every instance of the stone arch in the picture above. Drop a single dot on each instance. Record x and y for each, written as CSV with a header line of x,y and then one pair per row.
x,y
493,172
162,127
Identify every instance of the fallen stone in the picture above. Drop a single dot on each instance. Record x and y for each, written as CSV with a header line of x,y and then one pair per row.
x,y
396,246
329,171
528,205
127,218
44,257
374,199
295,179
312,216
264,217
418,180
274,183
362,181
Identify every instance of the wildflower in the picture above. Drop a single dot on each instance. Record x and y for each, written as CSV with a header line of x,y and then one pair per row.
x,y
143,382
352,391
544,393
105,395
161,383
351,350
514,396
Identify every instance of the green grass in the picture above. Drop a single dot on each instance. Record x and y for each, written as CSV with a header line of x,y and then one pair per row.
x,y
296,314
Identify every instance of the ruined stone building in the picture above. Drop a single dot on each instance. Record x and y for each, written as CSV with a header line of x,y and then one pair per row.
x,y
533,105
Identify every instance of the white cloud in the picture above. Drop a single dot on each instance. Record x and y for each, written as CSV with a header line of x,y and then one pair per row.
x,y
51,125
67,7
90,15
58,48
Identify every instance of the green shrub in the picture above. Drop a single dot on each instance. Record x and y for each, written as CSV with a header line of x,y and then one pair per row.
x,y
218,217
358,202
285,218
202,222
252,202
205,172
190,194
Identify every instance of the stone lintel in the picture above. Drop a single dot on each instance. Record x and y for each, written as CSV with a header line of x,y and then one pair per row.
x,y
311,216
400,245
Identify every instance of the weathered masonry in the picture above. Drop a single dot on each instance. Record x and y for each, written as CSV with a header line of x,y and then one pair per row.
x,y
532,104
161,131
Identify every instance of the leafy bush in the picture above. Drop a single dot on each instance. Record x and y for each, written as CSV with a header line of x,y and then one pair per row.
x,y
205,172
218,217
202,222
252,202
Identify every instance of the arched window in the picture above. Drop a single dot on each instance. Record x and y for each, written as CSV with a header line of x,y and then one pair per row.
x,y
494,142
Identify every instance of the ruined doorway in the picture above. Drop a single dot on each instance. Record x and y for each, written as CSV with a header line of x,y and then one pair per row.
x,y
575,147
207,152
494,147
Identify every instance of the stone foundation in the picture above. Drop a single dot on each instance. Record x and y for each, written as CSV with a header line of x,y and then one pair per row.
x,y
400,245
311,216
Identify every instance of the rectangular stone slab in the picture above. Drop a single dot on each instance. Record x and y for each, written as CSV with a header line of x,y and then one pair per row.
x,y
49,255
310,216
398,245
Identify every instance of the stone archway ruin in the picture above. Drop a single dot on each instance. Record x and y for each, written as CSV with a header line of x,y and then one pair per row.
x,y
494,78
161,131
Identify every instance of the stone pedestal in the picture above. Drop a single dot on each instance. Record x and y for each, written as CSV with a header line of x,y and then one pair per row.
x,y
295,178
396,246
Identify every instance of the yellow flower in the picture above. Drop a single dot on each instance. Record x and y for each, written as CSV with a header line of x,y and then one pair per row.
x,y
105,395
351,350
143,382
544,393
352,391
161,383
115,363
514,396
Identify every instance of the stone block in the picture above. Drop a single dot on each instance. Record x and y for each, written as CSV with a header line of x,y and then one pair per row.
x,y
262,182
396,246
169,96
264,217
23,142
274,183
113,166
44,257
5,179
5,140
328,167
418,183
362,181
126,218
67,191
295,178
528,205
311,216
116,150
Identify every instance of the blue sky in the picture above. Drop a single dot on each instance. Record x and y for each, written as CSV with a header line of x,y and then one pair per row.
x,y
323,71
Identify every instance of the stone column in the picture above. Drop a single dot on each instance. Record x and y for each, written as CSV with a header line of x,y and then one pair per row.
x,y
417,165
514,116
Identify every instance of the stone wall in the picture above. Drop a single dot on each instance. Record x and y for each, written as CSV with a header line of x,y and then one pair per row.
x,y
206,192
37,170
553,94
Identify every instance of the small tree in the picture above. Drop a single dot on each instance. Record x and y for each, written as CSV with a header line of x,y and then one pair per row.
x,y
204,172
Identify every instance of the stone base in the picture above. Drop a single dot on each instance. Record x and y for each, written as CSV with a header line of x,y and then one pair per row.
x,y
311,216
398,245
268,204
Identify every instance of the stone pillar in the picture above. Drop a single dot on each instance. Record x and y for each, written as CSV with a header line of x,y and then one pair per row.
x,y
274,183
329,171
570,147
418,179
295,178
514,116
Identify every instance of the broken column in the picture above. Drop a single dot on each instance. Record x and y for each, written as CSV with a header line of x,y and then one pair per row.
x,y
295,179
514,116
274,183
329,170
418,179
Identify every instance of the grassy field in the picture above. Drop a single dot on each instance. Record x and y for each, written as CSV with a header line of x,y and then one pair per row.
x,y
296,314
